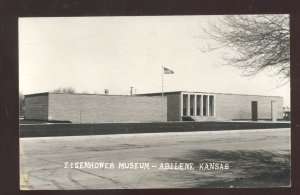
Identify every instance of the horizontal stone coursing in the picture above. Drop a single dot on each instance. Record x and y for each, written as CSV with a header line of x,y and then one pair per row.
x,y
174,113
231,107
79,108
36,107
106,109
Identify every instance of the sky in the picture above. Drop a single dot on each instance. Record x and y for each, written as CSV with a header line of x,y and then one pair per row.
x,y
91,54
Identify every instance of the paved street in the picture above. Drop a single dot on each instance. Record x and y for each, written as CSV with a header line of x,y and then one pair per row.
x,y
253,157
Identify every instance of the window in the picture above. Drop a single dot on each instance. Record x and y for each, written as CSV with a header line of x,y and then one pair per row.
x,y
198,105
204,105
192,104
184,105
211,105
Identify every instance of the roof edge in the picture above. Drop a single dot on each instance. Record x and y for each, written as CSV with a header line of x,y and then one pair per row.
x,y
147,94
177,92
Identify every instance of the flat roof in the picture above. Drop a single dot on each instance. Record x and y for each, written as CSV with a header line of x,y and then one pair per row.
x,y
47,93
178,92
146,94
36,94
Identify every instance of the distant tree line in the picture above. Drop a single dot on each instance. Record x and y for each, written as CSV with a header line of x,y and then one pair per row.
x,y
71,90
64,90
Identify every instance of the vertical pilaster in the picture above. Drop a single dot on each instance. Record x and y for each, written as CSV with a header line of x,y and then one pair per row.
x,y
201,105
214,103
195,105
181,106
197,102
207,109
188,112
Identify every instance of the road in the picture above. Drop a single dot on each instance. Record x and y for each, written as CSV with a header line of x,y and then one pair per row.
x,y
254,158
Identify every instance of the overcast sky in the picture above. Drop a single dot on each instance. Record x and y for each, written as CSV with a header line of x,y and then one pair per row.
x,y
94,53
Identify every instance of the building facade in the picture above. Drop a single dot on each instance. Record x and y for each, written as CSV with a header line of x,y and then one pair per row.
x,y
202,106
152,107
91,108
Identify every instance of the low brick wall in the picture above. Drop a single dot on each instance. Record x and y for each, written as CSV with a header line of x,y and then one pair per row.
x,y
49,130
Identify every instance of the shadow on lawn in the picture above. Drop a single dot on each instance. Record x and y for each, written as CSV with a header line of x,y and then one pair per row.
x,y
247,168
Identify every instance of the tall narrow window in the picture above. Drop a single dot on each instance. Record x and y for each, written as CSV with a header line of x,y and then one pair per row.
x,y
204,105
192,104
184,104
198,105
211,105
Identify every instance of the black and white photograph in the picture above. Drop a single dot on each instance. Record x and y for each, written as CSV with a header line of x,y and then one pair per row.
x,y
154,102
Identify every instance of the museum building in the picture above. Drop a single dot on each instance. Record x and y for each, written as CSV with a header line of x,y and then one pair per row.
x,y
151,107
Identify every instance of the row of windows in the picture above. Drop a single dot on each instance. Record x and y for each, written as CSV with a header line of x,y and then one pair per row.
x,y
198,105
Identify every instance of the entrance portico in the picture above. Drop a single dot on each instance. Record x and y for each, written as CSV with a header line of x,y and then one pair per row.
x,y
197,104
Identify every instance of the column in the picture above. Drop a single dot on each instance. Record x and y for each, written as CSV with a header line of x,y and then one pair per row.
x,y
188,105
207,108
214,105
201,105
195,105
181,106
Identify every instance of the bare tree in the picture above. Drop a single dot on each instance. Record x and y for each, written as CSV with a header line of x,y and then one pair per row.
x,y
256,43
64,90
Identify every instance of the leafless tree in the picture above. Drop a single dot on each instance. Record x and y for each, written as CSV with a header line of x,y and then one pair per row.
x,y
64,90
256,43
